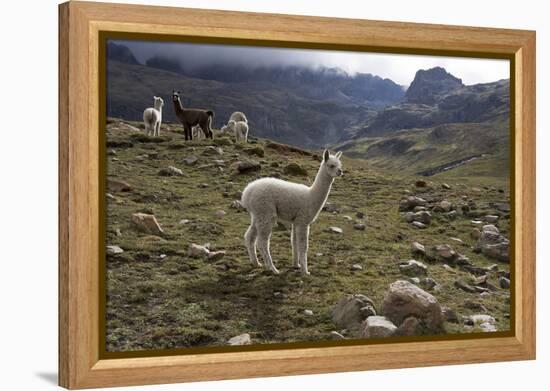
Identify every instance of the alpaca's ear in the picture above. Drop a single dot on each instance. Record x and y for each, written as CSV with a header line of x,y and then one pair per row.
x,y
338,154
326,155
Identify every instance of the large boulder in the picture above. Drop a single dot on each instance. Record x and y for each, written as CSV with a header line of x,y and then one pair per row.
x,y
492,244
404,299
351,310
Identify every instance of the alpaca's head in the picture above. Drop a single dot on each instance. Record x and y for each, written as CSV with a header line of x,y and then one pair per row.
x,y
159,102
332,164
230,127
175,95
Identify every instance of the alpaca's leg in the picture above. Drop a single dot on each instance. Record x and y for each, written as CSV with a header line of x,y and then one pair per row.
x,y
302,236
250,241
295,254
187,131
157,129
264,234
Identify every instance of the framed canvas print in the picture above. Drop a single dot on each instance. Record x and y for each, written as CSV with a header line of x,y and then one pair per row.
x,y
247,195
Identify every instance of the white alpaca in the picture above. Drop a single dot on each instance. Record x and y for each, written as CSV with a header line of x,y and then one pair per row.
x,y
152,117
269,199
239,129
238,116
197,132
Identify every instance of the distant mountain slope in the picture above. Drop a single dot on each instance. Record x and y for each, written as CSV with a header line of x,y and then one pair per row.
x,y
440,124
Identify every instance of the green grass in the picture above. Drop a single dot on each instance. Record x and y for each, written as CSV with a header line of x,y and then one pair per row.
x,y
158,297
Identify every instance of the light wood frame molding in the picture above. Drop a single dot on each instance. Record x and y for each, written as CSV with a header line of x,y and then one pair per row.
x,y
80,24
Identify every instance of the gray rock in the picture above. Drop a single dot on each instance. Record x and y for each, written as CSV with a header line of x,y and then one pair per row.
x,y
423,216
504,282
335,335
445,206
410,326
445,186
449,315
404,299
491,218
417,248
191,160
220,213
114,250
331,207
356,266
428,283
294,168
351,310
212,151
215,255
360,226
197,251
377,327
246,166
418,224
410,202
490,228
335,230
308,312
243,339
118,186
171,171
413,268
360,215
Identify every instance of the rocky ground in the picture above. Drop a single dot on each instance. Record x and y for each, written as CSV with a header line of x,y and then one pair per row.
x,y
389,254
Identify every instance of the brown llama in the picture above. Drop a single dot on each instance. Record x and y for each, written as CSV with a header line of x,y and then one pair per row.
x,y
192,117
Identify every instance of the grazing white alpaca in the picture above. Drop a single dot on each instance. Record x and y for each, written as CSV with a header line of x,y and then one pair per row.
x,y
239,129
152,117
238,116
197,132
269,199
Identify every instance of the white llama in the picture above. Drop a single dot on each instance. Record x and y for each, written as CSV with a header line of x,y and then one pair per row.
x,y
238,116
198,134
152,117
237,128
269,199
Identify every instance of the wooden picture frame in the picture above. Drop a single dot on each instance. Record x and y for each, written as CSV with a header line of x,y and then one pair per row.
x,y
80,27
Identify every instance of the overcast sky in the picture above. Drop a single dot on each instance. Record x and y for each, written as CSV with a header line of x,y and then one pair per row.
x,y
400,68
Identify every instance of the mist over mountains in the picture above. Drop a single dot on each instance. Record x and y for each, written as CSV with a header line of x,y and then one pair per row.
x,y
370,117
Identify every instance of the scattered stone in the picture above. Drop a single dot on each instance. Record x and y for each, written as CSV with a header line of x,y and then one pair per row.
x,y
171,171
464,286
147,223
488,327
418,224
504,282
246,166
118,186
457,240
356,266
410,202
220,213
294,168
114,250
410,326
423,216
351,310
360,215
449,269
360,226
308,312
415,280
404,299
331,207
243,339
475,234
111,152
118,232
197,251
335,335
219,163
445,206
237,205
417,248
183,221
491,218
445,186
449,315
480,319
110,197
421,183
191,160
472,305
490,228
335,230
428,283
377,327
211,151
445,252
215,255
413,268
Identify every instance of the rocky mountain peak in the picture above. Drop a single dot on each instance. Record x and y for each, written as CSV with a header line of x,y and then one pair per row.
x,y
430,83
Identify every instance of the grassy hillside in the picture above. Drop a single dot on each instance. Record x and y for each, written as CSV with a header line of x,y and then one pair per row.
x,y
159,297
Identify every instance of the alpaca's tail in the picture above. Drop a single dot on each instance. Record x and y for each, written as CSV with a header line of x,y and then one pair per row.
x,y
245,197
